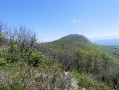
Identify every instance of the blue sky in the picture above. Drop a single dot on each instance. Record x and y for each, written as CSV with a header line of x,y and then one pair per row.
x,y
53,19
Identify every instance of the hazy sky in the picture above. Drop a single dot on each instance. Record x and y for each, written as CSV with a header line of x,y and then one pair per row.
x,y
53,19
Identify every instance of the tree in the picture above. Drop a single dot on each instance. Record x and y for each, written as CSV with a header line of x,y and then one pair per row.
x,y
21,37
2,28
25,38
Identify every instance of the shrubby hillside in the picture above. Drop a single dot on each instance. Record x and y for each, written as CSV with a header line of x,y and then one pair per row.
x,y
70,63
78,54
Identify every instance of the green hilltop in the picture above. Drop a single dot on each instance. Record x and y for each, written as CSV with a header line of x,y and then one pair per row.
x,y
68,41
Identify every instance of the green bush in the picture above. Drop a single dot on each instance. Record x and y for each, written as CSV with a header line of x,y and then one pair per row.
x,y
3,51
2,61
1,38
36,58
14,54
87,81
14,49
27,52
12,58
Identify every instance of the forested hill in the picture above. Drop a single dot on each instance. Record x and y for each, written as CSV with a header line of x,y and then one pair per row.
x,y
72,40
77,52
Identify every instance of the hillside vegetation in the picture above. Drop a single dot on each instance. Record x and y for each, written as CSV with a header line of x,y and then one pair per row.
x,y
111,50
27,65
76,52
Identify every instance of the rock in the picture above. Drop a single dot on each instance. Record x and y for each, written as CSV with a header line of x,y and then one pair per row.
x,y
73,82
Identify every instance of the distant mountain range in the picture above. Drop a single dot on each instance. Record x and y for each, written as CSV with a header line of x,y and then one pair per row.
x,y
111,42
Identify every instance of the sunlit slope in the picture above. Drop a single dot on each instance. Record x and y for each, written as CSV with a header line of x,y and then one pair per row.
x,y
113,51
75,42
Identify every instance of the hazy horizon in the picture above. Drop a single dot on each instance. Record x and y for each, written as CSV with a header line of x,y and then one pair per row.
x,y
89,37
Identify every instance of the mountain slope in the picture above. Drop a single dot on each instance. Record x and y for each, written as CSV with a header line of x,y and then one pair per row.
x,y
76,52
72,40
111,50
